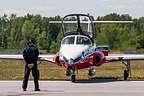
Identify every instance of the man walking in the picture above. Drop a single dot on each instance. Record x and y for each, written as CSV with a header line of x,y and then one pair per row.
x,y
30,55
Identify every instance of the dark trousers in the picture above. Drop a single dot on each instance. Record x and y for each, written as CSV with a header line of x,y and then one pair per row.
x,y
26,76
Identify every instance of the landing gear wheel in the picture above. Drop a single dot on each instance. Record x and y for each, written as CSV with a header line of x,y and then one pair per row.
x,y
128,71
73,78
125,74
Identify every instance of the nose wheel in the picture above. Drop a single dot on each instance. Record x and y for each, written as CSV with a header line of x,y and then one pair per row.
x,y
73,78
71,72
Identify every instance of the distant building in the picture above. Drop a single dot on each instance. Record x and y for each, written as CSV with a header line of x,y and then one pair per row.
x,y
130,51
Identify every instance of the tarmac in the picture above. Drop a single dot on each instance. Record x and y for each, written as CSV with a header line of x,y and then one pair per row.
x,y
96,87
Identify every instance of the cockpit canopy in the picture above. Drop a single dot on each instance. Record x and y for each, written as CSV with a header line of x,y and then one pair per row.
x,y
77,24
77,40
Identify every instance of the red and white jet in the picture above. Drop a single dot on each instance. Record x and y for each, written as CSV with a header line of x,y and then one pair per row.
x,y
78,49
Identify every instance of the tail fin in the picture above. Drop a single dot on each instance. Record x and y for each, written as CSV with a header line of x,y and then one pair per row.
x,y
104,49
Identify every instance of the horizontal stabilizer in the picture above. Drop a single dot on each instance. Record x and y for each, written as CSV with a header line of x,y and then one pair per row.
x,y
113,22
96,22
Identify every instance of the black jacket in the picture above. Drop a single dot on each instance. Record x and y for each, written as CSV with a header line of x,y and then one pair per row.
x,y
30,54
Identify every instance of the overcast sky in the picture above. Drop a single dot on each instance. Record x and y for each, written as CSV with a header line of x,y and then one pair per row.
x,y
48,8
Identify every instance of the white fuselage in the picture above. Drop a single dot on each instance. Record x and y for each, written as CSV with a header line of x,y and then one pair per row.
x,y
77,50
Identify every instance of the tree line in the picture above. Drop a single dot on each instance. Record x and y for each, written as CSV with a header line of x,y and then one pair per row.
x,y
16,31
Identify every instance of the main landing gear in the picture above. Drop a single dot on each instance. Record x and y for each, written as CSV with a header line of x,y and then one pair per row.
x,y
127,72
91,71
71,72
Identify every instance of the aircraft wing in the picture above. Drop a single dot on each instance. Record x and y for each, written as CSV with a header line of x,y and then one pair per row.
x,y
11,57
110,58
48,58
124,57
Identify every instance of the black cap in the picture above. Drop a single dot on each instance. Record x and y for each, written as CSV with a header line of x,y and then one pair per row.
x,y
30,41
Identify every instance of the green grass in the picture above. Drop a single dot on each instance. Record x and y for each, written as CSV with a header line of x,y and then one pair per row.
x,y
12,69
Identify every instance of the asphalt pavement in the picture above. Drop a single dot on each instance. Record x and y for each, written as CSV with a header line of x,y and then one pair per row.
x,y
97,87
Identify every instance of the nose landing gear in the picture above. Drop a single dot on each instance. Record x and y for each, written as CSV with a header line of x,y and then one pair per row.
x,y
71,72
73,78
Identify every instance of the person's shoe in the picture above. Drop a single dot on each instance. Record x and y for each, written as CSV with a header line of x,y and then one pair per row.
x,y
24,89
37,90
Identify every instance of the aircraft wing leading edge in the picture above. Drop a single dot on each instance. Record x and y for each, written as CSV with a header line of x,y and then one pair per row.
x,y
48,58
124,57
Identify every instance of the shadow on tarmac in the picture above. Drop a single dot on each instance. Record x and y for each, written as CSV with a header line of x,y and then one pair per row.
x,y
105,80
97,80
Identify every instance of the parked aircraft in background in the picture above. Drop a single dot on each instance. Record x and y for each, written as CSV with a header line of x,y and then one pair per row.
x,y
78,50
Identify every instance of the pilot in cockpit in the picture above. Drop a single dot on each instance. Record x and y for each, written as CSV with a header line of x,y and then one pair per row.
x,y
80,40
66,41
69,40
83,40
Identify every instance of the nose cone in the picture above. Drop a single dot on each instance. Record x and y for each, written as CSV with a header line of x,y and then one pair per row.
x,y
70,61
72,52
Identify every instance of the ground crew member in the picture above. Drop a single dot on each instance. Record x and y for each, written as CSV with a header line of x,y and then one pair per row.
x,y
30,55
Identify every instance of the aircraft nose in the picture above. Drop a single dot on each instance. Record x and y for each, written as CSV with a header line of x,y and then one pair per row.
x,y
71,61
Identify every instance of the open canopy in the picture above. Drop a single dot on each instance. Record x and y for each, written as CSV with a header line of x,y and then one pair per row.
x,y
77,24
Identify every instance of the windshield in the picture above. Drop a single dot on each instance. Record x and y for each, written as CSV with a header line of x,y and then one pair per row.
x,y
68,40
83,40
80,40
